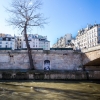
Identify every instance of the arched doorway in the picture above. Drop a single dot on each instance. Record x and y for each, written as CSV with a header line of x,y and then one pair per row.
x,y
46,65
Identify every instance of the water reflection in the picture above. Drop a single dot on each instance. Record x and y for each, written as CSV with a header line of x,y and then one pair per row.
x,y
47,90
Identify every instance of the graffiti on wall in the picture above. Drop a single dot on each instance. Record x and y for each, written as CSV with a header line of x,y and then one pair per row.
x,y
46,65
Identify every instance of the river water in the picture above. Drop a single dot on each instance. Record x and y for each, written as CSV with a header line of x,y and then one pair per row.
x,y
49,90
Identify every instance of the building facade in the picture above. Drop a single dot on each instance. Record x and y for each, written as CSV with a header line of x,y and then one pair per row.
x,y
7,41
64,42
18,42
88,37
36,41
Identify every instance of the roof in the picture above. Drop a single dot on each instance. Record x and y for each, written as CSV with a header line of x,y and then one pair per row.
x,y
44,40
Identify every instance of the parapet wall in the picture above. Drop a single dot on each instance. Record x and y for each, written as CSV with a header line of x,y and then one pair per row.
x,y
95,48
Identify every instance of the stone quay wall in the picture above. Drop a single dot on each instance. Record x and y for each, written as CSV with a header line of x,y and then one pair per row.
x,y
46,75
59,59
64,64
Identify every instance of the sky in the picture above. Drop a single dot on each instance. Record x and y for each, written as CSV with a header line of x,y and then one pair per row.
x,y
64,16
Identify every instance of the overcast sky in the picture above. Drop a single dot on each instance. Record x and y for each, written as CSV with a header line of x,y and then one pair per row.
x,y
64,16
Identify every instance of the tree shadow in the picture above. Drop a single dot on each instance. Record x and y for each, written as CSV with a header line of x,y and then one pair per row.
x,y
70,94
46,93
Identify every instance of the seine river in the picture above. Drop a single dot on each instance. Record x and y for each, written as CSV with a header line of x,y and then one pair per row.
x,y
49,90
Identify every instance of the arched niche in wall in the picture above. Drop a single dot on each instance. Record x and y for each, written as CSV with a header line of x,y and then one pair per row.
x,y
46,64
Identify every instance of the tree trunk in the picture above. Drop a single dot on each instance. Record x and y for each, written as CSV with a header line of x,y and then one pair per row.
x,y
29,49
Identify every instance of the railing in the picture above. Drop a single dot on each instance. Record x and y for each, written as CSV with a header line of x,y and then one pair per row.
x,y
50,49
61,48
32,49
5,49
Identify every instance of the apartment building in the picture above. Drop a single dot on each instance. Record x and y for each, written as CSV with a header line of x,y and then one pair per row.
x,y
64,42
7,41
36,41
88,37
18,42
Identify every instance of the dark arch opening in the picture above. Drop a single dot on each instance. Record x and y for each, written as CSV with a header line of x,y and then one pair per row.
x,y
47,65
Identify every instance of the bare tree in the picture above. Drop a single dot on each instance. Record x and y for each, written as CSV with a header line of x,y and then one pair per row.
x,y
24,15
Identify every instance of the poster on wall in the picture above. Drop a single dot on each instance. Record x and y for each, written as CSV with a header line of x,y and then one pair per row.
x,y
46,65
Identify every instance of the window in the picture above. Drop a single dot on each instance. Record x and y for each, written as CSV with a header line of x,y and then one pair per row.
x,y
6,39
98,29
69,40
0,39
